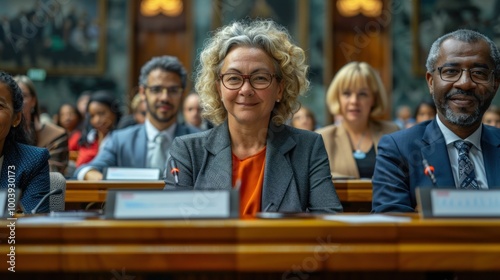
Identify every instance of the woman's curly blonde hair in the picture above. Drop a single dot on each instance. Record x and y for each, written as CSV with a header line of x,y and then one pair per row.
x,y
273,39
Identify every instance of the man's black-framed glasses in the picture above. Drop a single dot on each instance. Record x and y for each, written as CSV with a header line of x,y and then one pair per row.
x,y
257,80
172,91
477,75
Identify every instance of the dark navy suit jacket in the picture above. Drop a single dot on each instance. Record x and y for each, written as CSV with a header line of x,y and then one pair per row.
x,y
28,169
399,169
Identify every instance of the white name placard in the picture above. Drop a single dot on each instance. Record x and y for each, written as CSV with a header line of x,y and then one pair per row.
x,y
121,173
155,204
466,203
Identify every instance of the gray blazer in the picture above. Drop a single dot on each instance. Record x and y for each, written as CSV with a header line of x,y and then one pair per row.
x,y
127,148
297,174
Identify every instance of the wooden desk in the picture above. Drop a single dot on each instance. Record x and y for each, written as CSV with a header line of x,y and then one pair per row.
x,y
354,190
306,245
95,191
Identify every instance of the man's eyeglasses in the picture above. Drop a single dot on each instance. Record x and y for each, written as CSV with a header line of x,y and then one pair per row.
x,y
257,81
173,91
477,75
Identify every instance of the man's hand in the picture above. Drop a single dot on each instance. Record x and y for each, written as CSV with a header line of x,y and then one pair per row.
x,y
93,175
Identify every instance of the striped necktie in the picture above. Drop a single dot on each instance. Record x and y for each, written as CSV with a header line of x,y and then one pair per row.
x,y
466,174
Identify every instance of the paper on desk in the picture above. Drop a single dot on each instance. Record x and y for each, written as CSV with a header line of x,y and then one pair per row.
x,y
48,220
368,218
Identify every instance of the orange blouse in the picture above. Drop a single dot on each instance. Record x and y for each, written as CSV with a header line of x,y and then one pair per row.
x,y
250,172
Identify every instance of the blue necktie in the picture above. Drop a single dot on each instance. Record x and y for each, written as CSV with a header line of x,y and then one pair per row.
x,y
466,174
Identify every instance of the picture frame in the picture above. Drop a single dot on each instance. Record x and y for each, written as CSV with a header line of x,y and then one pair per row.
x,y
60,37
434,18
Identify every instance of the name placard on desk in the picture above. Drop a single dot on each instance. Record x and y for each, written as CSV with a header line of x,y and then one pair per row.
x,y
128,173
454,203
159,204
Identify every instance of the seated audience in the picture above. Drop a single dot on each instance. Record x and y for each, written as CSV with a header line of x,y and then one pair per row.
x,y
404,117
137,115
103,113
358,95
248,85
70,118
304,119
191,112
82,101
28,166
47,135
492,116
463,74
161,84
426,110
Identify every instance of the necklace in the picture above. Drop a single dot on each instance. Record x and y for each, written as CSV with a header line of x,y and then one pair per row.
x,y
358,154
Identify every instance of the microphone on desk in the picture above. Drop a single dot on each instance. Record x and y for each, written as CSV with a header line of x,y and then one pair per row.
x,y
175,171
44,198
429,171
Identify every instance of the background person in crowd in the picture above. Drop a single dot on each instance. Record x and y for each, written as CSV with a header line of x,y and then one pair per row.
x,y
463,74
404,117
138,112
304,119
492,116
358,95
191,111
103,114
82,101
426,110
47,135
28,164
248,84
70,119
161,84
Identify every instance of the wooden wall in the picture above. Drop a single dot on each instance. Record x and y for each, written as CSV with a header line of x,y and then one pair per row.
x,y
160,35
358,38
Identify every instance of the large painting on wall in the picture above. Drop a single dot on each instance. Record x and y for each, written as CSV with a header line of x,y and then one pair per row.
x,y
433,18
63,37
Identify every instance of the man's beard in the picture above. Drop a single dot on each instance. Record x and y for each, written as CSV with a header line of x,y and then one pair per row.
x,y
459,118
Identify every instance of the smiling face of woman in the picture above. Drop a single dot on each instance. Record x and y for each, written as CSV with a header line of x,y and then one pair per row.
x,y
101,117
356,102
247,105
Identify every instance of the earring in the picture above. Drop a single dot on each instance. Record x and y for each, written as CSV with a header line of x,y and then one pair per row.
x,y
278,101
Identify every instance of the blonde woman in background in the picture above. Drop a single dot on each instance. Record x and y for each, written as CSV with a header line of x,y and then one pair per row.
x,y
358,95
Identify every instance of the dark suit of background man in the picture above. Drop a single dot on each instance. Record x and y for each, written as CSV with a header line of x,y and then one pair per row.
x,y
161,84
463,74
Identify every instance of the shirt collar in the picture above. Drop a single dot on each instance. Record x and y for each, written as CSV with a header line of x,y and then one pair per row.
x,y
152,131
450,137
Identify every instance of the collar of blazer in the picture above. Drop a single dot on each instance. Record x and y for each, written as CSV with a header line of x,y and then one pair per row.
x,y
278,174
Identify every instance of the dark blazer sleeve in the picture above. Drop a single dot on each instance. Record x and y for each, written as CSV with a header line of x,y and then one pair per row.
x,y
35,180
323,197
180,158
391,187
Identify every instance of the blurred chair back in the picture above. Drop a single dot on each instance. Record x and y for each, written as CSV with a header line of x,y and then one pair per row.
x,y
57,181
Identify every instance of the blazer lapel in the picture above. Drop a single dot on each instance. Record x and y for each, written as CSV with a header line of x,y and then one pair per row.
x,y
219,170
278,172
490,144
436,154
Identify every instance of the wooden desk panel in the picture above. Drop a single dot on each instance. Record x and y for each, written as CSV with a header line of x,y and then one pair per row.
x,y
354,190
95,191
257,245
